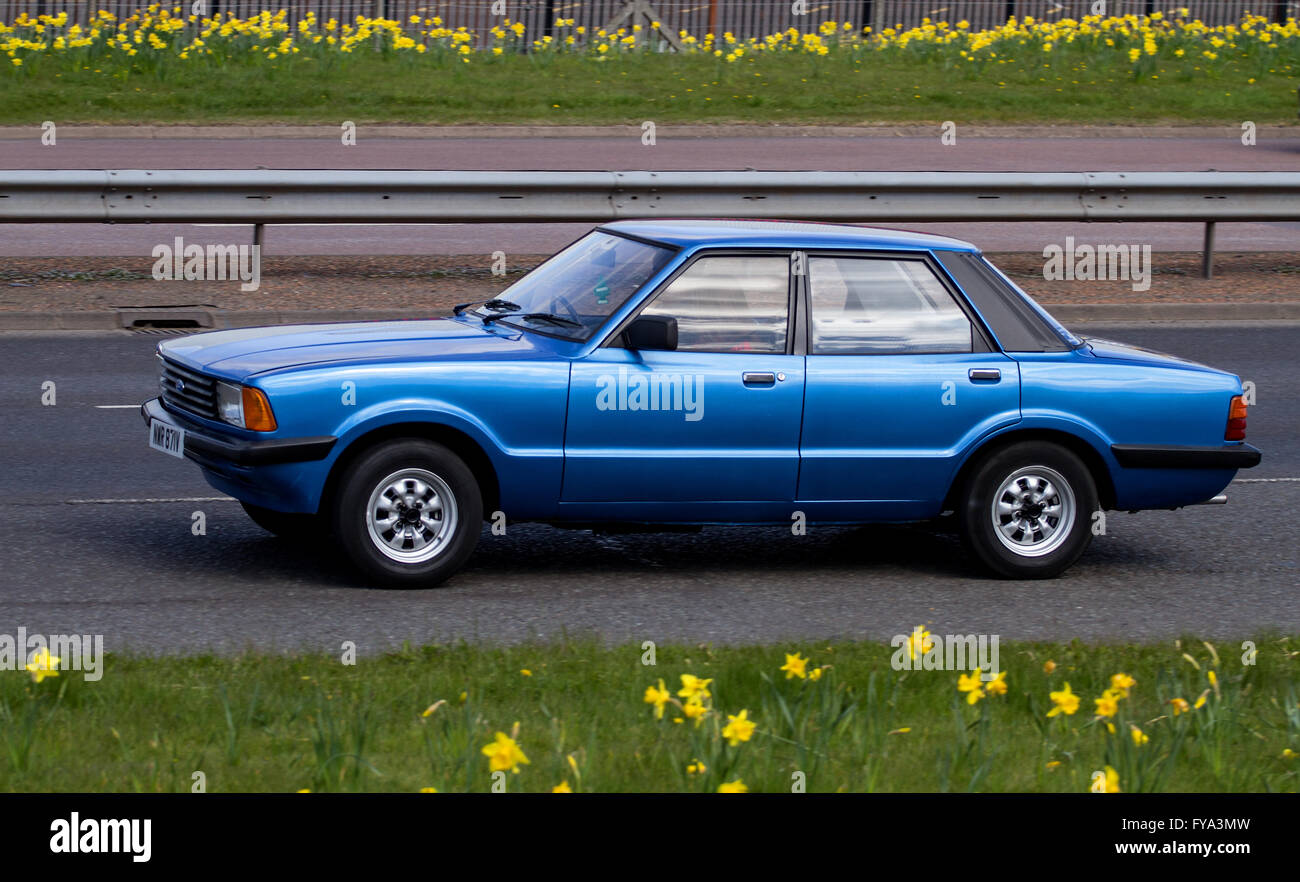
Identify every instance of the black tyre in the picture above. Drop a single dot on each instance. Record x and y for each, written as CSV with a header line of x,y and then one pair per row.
x,y
297,527
408,513
1026,511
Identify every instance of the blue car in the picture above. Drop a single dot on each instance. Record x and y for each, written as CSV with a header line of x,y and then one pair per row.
x,y
665,374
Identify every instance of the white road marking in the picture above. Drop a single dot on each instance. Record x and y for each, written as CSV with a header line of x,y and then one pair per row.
x,y
150,500
1266,480
116,406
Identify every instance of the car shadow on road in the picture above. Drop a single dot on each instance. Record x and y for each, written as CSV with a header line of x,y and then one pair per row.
x,y
235,551
724,549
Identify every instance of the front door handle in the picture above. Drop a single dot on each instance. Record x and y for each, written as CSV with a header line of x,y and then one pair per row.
x,y
985,374
758,378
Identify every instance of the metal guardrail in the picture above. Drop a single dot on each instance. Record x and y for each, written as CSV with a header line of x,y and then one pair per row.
x,y
272,196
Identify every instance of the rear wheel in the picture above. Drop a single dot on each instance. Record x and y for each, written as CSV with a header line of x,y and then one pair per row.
x,y
1027,510
287,525
408,513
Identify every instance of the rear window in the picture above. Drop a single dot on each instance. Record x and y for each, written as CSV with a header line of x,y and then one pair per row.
x,y
1016,323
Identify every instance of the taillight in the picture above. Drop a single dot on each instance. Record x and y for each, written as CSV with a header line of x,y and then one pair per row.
x,y
1236,430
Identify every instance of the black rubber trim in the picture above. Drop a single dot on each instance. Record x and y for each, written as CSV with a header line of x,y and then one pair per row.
x,y
200,441
1143,456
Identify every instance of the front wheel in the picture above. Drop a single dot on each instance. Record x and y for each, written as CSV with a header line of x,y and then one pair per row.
x,y
1027,510
408,513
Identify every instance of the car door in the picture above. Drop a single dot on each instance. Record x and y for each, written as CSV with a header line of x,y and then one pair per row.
x,y
716,420
901,379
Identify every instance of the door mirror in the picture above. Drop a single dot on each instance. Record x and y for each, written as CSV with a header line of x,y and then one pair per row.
x,y
652,332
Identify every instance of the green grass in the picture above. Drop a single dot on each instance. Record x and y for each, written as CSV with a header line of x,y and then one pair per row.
x,y
791,89
263,722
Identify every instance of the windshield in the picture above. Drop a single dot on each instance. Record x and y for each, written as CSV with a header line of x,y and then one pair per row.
x,y
583,284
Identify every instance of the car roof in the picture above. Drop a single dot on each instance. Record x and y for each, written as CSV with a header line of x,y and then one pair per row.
x,y
781,234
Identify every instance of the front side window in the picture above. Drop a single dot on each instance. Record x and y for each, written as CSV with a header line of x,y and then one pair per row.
x,y
882,306
729,304
581,286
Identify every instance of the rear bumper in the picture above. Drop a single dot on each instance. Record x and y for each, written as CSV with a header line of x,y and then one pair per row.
x,y
207,448
1146,456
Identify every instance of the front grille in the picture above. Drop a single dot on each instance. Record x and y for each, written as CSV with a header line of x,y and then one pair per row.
x,y
187,390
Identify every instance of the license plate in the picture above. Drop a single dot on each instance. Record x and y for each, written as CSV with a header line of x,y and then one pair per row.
x,y
168,439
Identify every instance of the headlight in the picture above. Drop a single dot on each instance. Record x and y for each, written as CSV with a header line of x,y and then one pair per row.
x,y
230,404
245,407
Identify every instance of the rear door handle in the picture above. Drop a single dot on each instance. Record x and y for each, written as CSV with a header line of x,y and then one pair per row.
x,y
985,374
758,378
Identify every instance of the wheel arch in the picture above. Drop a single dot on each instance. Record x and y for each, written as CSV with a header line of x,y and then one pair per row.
x,y
455,440
1079,446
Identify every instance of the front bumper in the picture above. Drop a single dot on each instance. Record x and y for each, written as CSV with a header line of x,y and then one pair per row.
x,y
1146,456
209,449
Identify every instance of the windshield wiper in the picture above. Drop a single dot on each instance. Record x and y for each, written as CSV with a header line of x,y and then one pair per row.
x,y
550,317
495,303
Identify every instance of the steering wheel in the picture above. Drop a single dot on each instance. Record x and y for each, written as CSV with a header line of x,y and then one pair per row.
x,y
560,301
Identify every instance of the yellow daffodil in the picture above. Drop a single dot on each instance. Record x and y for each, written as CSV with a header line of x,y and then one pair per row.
x,y
42,664
1108,704
1139,737
658,697
504,754
795,666
1109,783
1122,683
971,685
695,709
693,687
919,642
737,786
739,728
1049,666
562,787
1179,705
1064,702
998,685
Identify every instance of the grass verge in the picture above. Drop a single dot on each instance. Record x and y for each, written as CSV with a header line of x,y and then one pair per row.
x,y
573,91
582,716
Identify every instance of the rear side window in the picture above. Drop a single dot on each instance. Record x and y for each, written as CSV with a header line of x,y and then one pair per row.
x,y
1017,325
879,306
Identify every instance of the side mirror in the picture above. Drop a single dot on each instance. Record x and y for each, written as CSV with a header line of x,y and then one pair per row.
x,y
652,332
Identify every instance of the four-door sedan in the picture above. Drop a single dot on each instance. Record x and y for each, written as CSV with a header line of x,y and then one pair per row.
x,y
660,373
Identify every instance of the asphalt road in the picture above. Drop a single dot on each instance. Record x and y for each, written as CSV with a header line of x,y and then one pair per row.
x,y
670,152
81,552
